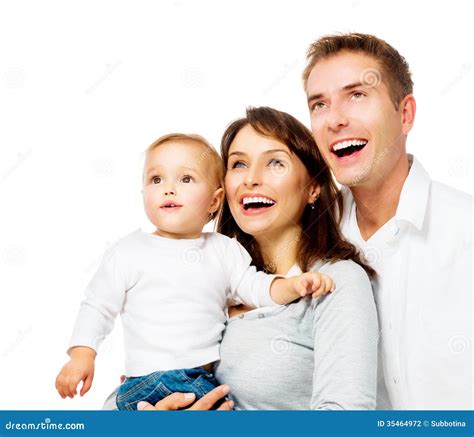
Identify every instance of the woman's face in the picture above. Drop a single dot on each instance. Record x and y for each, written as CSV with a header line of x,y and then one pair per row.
x,y
267,185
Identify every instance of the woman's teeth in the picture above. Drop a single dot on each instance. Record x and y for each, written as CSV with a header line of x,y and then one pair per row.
x,y
257,202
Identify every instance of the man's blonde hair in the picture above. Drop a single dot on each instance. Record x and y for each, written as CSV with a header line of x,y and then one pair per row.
x,y
395,71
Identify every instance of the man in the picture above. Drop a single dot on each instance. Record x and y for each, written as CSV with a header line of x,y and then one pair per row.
x,y
415,232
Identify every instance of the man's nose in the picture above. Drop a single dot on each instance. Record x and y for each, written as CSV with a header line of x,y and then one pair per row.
x,y
337,118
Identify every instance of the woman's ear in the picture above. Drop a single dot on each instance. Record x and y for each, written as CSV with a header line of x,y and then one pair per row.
x,y
217,199
313,193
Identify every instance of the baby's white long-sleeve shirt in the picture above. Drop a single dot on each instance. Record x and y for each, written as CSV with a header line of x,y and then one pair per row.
x,y
172,297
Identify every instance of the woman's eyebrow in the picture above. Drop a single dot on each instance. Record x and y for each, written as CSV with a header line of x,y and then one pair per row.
x,y
267,152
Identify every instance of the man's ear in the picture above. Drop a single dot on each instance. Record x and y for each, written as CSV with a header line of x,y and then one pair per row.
x,y
217,199
407,112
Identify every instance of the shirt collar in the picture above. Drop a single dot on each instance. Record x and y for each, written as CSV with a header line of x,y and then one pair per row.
x,y
413,201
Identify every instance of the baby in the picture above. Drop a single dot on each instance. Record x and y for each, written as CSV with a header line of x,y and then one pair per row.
x,y
172,287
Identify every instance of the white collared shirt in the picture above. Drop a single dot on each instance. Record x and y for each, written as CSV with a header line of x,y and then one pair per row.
x,y
423,293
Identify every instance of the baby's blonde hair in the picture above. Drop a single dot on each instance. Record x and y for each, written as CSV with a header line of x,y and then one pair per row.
x,y
216,169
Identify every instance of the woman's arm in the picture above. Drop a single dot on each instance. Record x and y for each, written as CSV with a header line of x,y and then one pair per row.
x,y
345,332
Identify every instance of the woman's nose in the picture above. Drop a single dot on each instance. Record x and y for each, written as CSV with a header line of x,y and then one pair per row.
x,y
253,178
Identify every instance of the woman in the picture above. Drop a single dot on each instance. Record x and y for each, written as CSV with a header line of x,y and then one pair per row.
x,y
282,206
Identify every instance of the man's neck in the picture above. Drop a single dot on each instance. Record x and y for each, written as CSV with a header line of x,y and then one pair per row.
x,y
377,204
279,249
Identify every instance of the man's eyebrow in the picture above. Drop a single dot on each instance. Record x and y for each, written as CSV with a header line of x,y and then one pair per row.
x,y
344,88
352,86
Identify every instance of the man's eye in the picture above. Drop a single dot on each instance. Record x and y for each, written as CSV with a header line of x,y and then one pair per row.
x,y
237,164
155,179
186,179
276,162
357,95
318,105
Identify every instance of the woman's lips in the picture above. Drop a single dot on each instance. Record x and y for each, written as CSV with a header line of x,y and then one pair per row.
x,y
254,211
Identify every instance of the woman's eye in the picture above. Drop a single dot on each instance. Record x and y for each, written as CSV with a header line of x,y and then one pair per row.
x,y
186,179
276,162
155,179
237,164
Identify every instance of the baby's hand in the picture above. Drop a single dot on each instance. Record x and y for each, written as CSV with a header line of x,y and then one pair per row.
x,y
79,368
314,283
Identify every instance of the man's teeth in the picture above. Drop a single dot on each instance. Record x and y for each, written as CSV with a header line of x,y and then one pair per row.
x,y
348,143
248,200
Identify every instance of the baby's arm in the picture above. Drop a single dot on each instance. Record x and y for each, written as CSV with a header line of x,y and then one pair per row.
x,y
79,368
286,290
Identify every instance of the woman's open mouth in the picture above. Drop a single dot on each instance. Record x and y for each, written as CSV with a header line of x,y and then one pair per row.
x,y
252,205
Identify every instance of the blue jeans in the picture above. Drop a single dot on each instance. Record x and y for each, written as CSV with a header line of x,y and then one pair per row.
x,y
157,385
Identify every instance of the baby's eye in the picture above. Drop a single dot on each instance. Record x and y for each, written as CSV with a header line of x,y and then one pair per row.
x,y
237,164
155,179
187,179
276,162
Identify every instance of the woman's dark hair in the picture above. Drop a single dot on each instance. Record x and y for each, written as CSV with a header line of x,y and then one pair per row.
x,y
322,238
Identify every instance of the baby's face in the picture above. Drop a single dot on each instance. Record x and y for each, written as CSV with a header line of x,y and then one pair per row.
x,y
178,194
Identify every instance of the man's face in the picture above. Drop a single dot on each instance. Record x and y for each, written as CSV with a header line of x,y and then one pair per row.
x,y
355,124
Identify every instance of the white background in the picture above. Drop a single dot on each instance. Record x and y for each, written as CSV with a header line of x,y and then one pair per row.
x,y
86,86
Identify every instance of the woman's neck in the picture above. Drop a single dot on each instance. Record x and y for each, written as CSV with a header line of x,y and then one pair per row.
x,y
279,249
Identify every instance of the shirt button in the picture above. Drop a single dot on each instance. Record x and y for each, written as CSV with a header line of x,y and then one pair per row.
x,y
395,380
241,316
261,316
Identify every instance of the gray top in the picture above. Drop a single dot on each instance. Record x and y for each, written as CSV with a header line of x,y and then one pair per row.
x,y
312,354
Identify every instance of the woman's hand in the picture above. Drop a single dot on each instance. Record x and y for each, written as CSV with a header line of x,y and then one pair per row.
x,y
176,401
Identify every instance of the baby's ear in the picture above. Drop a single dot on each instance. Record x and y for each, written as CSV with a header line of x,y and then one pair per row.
x,y
217,200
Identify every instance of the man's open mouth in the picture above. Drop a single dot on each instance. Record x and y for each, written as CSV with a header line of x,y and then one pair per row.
x,y
348,147
257,203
